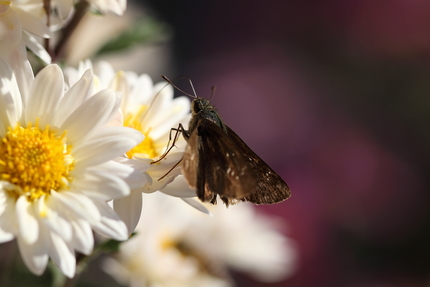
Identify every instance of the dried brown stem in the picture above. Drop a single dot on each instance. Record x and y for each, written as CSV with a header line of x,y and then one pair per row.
x,y
81,9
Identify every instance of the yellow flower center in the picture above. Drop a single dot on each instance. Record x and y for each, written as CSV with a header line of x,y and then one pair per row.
x,y
35,160
187,250
146,147
6,3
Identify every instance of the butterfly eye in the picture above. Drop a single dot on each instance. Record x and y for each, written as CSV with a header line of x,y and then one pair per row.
x,y
196,108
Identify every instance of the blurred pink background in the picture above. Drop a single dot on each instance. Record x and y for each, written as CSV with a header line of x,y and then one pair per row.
x,y
335,96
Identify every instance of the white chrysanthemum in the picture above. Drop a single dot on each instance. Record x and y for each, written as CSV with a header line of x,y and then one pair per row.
x,y
178,246
152,110
20,22
56,166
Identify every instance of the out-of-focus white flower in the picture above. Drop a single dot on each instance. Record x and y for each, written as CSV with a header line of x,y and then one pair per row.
x,y
20,23
66,7
56,166
115,6
24,22
152,110
177,246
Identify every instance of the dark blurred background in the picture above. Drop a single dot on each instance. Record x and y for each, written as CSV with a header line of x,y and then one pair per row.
x,y
335,96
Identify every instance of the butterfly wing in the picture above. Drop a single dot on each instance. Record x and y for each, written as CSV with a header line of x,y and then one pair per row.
x,y
270,187
193,168
214,164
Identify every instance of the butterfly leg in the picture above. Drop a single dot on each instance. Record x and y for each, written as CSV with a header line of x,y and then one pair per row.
x,y
178,131
176,164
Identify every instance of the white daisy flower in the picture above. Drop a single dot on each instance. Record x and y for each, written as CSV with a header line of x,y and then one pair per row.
x,y
178,246
20,23
152,110
56,166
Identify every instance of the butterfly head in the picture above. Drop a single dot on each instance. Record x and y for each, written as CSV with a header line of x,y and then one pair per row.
x,y
199,105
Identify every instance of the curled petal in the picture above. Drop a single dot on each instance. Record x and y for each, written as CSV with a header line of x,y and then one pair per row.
x,y
129,209
110,224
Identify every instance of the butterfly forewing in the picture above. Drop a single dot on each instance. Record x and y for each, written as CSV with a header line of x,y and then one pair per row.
x,y
193,169
270,187
190,161
214,164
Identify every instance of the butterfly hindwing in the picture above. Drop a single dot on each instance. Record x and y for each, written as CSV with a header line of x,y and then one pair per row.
x,y
190,162
270,187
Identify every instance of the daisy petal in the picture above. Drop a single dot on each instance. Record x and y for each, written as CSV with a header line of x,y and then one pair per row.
x,y
133,176
119,83
34,255
116,140
8,223
23,72
46,92
79,204
162,173
10,99
83,237
62,255
110,224
11,29
3,198
5,236
197,205
179,187
129,209
93,181
34,46
141,93
159,104
179,108
74,97
49,211
104,71
92,114
32,23
115,6
27,222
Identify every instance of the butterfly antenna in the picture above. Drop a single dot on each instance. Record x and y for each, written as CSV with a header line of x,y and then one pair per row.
x,y
192,87
176,87
153,100
213,89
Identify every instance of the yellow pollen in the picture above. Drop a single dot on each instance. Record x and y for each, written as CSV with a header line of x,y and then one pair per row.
x,y
35,160
146,147
167,243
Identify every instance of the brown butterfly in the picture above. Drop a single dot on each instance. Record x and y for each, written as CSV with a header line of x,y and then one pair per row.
x,y
218,162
